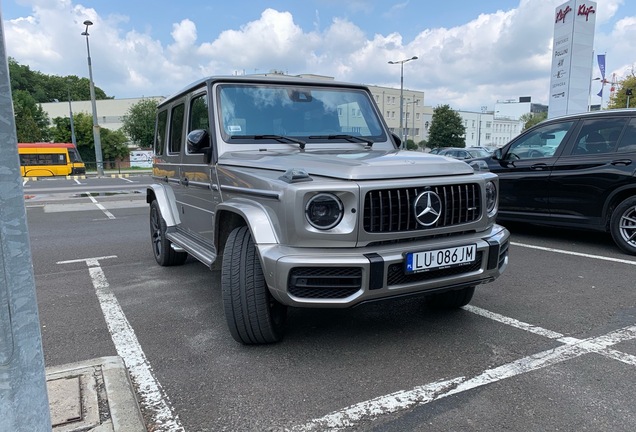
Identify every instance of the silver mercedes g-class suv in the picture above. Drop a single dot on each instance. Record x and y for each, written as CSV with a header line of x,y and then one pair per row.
x,y
299,193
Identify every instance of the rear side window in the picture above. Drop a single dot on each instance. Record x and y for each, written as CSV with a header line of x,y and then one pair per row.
x,y
627,142
176,128
599,136
160,135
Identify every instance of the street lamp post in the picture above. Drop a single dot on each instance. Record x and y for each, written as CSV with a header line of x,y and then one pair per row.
x,y
98,144
413,119
70,111
401,63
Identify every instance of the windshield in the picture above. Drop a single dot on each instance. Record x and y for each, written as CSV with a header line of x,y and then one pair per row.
x,y
478,153
258,111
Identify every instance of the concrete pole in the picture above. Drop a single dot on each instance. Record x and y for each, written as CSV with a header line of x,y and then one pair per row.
x,y
96,131
24,404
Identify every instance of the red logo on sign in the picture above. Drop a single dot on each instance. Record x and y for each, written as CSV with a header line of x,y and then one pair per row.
x,y
586,11
560,16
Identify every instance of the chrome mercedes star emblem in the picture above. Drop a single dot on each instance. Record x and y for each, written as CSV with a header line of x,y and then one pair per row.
x,y
428,208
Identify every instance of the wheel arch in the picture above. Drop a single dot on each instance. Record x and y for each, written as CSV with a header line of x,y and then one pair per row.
x,y
233,214
167,203
617,197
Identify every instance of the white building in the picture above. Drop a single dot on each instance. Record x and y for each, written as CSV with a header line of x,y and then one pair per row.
x,y
109,111
483,129
388,101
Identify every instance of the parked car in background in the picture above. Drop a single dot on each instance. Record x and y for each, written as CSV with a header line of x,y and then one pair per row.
x,y
576,171
488,149
465,153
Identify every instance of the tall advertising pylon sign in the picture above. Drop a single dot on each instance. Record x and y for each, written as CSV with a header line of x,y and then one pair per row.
x,y
572,57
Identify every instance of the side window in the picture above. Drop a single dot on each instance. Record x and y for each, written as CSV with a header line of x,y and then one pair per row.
x,y
160,134
542,142
598,136
198,120
199,114
628,140
176,128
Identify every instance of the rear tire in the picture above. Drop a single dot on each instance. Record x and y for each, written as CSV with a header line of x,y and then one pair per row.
x,y
623,225
161,246
452,299
253,315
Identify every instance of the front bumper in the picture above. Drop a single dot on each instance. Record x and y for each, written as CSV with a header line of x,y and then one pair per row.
x,y
338,278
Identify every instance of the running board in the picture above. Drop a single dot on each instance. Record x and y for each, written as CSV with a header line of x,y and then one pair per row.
x,y
199,250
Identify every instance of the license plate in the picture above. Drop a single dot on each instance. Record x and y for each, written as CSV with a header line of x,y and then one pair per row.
x,y
440,258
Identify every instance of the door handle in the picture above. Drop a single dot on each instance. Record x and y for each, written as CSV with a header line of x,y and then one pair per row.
x,y
623,162
539,167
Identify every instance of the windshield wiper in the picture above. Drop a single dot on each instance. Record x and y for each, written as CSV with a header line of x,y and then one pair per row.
x,y
279,138
350,138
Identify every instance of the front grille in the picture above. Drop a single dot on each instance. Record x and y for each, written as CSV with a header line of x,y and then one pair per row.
x,y
324,282
392,210
397,276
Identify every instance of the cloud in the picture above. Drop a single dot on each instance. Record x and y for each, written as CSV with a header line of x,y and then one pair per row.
x,y
500,55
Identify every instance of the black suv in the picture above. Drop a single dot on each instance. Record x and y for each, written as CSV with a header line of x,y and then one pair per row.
x,y
575,171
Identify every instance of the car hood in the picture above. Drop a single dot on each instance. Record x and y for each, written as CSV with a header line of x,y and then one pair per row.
x,y
351,165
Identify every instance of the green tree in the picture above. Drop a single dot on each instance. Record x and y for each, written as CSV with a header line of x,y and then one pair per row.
x,y
139,122
620,95
48,88
31,122
422,144
531,119
447,128
31,88
410,144
113,142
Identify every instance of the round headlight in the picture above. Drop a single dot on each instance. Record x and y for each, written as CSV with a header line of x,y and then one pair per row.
x,y
324,211
491,198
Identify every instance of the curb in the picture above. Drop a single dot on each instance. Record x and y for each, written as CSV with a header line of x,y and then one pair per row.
x,y
94,395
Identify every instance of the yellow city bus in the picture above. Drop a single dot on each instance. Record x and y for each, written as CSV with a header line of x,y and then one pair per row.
x,y
49,159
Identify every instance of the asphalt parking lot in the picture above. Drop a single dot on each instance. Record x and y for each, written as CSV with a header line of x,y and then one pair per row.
x,y
548,346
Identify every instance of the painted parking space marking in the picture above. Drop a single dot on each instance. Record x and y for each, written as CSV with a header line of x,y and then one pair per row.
x,y
102,208
108,205
152,397
402,400
561,251
422,395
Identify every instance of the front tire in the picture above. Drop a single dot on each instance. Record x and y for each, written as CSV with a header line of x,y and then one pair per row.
x,y
253,315
452,299
623,225
161,246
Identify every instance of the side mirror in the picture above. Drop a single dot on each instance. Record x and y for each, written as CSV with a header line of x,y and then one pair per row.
x,y
497,155
198,141
397,140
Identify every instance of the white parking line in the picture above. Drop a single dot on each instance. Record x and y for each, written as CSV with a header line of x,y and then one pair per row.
x,y
423,395
561,251
153,399
101,207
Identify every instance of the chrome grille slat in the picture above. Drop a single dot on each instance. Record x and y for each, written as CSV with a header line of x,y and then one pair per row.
x,y
391,210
